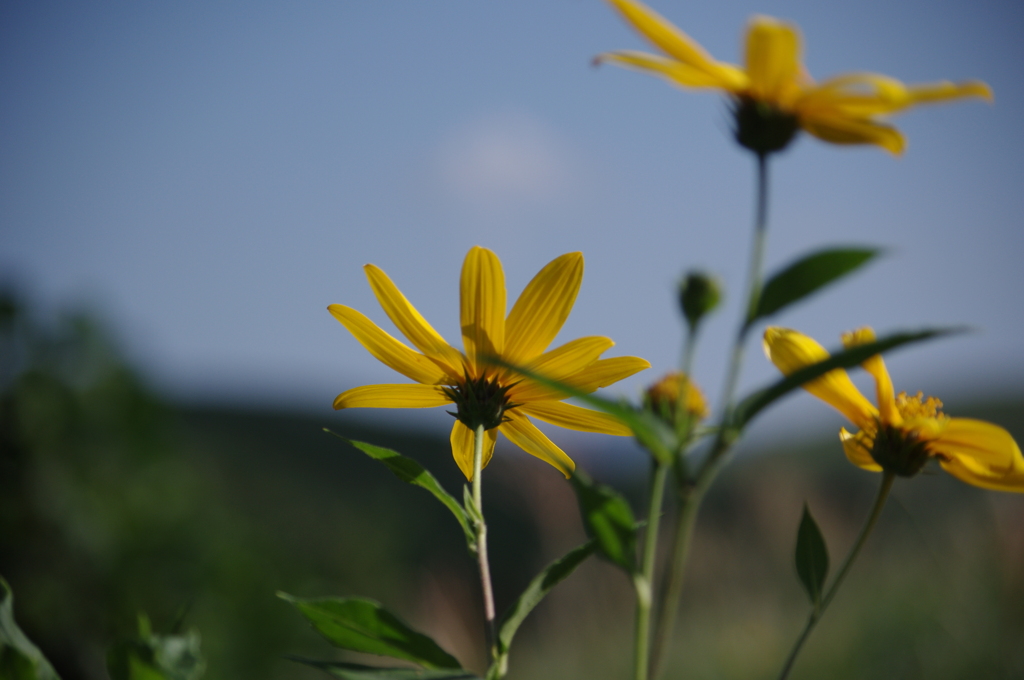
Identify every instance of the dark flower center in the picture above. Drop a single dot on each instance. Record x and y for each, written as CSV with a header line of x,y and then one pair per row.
x,y
480,401
899,451
761,127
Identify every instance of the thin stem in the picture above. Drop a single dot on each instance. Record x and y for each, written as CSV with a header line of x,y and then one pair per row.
x,y
644,581
481,542
686,517
683,417
754,283
691,492
819,610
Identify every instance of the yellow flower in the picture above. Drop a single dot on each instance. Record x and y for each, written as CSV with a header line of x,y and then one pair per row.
x,y
495,397
663,396
904,431
841,110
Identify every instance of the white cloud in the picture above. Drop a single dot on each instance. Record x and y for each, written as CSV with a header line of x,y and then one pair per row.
x,y
505,158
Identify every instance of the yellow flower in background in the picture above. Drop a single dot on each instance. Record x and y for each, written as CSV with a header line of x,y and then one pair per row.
x,y
904,431
495,397
773,94
663,396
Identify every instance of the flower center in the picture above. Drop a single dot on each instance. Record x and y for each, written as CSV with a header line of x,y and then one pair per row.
x,y
762,127
480,401
900,449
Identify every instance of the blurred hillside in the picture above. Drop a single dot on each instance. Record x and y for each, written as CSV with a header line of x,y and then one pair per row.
x,y
114,502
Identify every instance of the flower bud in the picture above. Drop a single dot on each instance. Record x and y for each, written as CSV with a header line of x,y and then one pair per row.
x,y
699,295
663,397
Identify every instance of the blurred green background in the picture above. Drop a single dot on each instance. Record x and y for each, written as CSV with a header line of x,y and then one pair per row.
x,y
113,502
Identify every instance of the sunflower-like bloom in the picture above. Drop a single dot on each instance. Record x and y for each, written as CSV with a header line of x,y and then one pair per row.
x,y
774,96
484,394
904,431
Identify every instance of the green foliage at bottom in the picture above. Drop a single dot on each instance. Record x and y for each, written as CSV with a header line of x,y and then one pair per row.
x,y
19,658
363,625
156,657
355,671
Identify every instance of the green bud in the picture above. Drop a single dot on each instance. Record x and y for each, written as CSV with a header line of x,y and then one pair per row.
x,y
761,127
699,295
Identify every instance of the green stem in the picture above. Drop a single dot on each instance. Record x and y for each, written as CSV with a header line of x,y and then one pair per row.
x,y
481,542
754,282
683,418
819,610
691,492
644,581
686,517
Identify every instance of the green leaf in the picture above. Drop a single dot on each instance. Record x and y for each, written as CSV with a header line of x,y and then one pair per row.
x,y
758,401
811,557
156,657
539,587
19,658
365,626
652,433
807,275
609,521
355,671
411,472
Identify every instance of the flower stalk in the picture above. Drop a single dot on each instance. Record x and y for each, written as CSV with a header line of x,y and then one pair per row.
x,y
480,527
644,580
819,609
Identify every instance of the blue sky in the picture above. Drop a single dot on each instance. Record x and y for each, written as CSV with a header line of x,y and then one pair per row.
x,y
212,175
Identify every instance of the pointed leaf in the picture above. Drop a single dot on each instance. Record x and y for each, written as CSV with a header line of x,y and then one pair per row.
x,y
355,671
608,520
807,275
365,626
758,401
539,587
811,557
411,472
19,658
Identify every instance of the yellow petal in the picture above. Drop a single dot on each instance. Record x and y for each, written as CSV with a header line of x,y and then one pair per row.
x,y
559,364
596,375
727,77
391,396
981,446
664,35
524,434
607,371
875,366
411,323
482,305
575,418
853,95
790,351
1010,481
946,91
772,58
387,349
462,447
543,307
842,130
857,448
